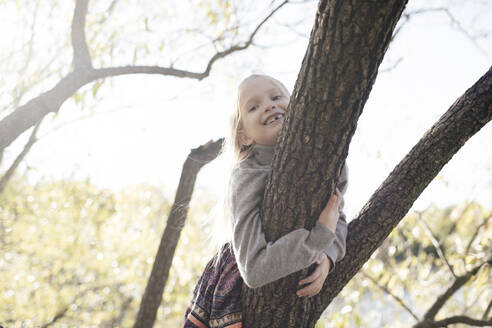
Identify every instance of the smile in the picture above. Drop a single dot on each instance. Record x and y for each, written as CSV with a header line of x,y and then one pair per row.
x,y
274,120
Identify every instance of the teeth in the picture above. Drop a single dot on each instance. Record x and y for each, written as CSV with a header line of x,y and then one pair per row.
x,y
273,119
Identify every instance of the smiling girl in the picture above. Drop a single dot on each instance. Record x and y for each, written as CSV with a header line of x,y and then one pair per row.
x,y
257,120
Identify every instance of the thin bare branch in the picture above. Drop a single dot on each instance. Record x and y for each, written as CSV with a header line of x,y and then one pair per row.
x,y
454,320
59,315
293,30
458,283
392,67
435,243
108,12
105,17
8,174
454,21
387,291
465,309
487,310
82,118
81,56
20,89
22,70
31,40
117,320
62,312
245,45
475,234
453,226
126,70
464,31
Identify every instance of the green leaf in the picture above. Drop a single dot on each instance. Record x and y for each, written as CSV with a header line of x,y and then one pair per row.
x,y
147,24
77,97
96,87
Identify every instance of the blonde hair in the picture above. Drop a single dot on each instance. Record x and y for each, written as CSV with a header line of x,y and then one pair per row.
x,y
238,151
235,153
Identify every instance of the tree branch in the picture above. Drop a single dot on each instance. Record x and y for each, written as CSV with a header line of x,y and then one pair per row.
x,y
152,296
62,312
454,320
245,45
108,12
8,174
81,56
454,21
465,309
475,234
453,226
392,200
458,283
116,320
435,243
387,291
28,114
487,310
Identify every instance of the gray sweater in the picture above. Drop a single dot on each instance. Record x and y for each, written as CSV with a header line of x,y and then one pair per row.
x,y
260,262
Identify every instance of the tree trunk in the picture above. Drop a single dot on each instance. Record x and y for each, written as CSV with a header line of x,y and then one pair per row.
x,y
152,297
346,47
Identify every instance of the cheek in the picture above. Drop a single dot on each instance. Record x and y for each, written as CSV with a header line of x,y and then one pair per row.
x,y
249,126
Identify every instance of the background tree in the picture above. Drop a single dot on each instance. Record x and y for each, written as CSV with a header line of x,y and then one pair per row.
x,y
89,63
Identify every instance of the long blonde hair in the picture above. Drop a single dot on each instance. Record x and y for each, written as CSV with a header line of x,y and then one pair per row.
x,y
235,153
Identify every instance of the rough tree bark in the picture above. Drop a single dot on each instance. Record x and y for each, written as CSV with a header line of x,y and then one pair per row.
x,y
346,46
152,296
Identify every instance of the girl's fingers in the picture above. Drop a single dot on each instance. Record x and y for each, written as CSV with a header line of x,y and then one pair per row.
x,y
309,290
312,277
339,196
332,199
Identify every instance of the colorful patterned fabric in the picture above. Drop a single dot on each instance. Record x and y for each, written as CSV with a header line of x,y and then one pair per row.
x,y
216,299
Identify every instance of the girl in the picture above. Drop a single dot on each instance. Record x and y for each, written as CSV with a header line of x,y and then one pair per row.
x,y
261,106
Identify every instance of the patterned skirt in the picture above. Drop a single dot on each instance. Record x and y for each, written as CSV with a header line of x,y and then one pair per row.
x,y
216,299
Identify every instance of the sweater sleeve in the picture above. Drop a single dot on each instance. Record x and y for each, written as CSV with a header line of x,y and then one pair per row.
x,y
336,251
259,262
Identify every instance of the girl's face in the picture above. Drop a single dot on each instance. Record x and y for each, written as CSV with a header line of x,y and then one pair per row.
x,y
263,106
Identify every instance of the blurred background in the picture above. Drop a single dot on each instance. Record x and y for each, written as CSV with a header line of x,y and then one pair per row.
x,y
83,208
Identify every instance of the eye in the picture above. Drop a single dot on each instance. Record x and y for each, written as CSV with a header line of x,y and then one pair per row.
x,y
252,108
276,97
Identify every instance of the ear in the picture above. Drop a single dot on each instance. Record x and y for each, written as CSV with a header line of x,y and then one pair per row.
x,y
244,139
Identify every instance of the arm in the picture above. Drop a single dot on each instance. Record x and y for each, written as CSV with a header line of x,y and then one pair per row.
x,y
260,262
336,251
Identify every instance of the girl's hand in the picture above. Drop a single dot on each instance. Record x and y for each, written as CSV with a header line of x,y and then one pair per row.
x,y
316,280
330,214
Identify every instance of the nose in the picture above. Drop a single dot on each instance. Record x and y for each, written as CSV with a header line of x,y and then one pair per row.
x,y
269,106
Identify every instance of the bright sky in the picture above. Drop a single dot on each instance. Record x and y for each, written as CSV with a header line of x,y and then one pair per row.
x,y
160,119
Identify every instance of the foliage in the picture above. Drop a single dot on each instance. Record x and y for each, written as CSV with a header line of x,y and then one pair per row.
x,y
69,246
409,267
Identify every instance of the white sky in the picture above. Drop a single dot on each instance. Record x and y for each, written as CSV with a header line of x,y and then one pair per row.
x,y
160,119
